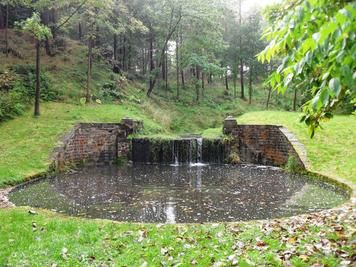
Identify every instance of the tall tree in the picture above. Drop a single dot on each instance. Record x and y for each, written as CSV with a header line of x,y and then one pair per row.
x,y
8,4
40,32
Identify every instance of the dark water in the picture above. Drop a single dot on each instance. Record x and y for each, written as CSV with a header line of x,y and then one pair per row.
x,y
184,194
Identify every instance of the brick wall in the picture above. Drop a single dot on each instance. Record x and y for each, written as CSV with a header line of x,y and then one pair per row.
x,y
265,144
94,143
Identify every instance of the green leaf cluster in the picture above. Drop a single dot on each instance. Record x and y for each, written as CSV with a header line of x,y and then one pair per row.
x,y
315,42
34,27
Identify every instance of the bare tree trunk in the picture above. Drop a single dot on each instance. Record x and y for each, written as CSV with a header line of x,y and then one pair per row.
x,y
226,82
124,64
80,31
295,99
143,61
210,79
240,46
166,71
269,97
129,56
203,84
38,88
177,66
242,79
152,64
235,81
197,86
2,19
250,87
90,48
163,67
6,31
115,47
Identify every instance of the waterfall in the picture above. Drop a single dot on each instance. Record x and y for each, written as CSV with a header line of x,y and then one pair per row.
x,y
175,154
199,155
199,150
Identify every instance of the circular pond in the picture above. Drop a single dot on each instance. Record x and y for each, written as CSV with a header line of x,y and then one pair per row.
x,y
180,194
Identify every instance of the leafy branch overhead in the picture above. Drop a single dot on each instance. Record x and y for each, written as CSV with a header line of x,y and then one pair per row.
x,y
316,44
34,27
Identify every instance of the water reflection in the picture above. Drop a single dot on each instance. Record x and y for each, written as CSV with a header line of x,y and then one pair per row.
x,y
178,194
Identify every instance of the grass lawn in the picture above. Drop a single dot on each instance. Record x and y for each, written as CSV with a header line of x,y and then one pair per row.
x,y
27,142
49,239
46,239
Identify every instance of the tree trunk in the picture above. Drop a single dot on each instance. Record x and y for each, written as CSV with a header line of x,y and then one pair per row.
x,y
115,47
235,80
124,64
80,33
250,87
90,48
269,97
2,19
143,61
38,88
295,99
6,31
242,79
163,68
152,63
177,66
226,83
197,86
183,78
240,48
172,29
129,56
203,83
166,71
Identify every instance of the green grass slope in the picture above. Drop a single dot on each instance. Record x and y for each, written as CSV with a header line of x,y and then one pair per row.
x,y
27,142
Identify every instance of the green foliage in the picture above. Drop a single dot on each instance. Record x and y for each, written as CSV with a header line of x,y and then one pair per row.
x,y
12,104
34,27
7,81
28,81
316,41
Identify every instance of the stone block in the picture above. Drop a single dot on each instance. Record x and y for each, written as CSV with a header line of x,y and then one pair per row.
x,y
230,124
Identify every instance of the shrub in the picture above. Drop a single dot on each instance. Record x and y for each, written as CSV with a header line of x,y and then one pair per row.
x,y
7,81
12,104
27,74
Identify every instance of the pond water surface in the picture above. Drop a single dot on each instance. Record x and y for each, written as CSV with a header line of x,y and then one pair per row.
x,y
179,194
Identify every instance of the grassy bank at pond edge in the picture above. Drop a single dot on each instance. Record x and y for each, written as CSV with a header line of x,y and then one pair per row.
x,y
49,239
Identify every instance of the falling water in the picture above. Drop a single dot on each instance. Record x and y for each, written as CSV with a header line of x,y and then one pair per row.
x,y
199,161
199,150
175,155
